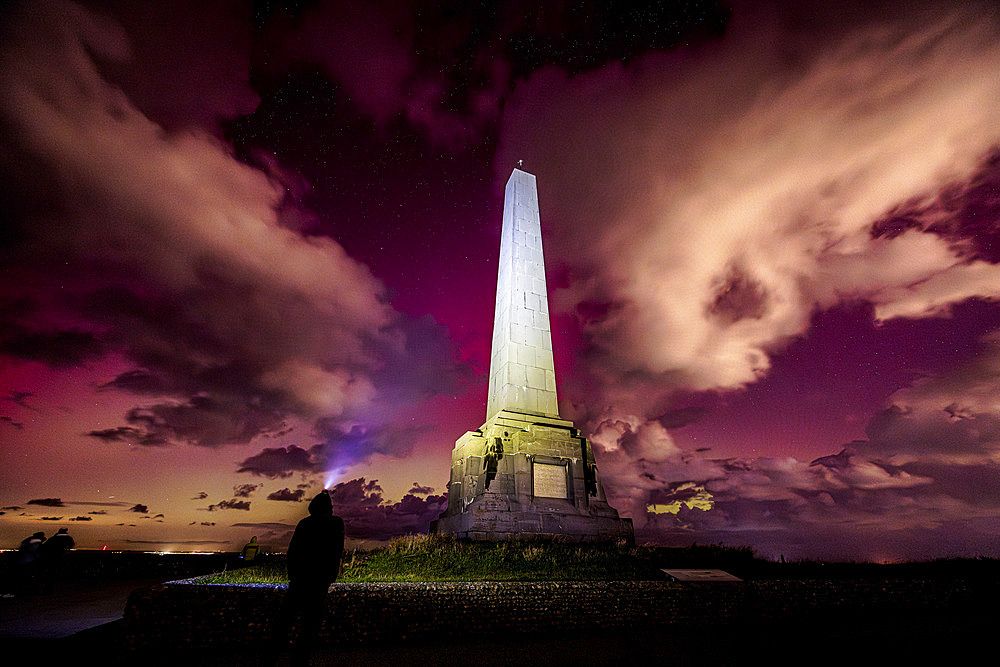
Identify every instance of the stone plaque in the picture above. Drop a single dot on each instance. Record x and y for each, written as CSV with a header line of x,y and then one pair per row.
x,y
550,480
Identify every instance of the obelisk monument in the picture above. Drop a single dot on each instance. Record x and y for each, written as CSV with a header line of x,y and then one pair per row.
x,y
526,472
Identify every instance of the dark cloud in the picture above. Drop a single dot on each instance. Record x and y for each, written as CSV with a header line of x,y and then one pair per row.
x,y
7,420
129,435
679,417
366,516
265,525
200,496
201,421
287,494
168,542
277,462
98,512
19,398
47,502
81,518
59,349
421,490
230,505
51,518
245,490
140,508
12,508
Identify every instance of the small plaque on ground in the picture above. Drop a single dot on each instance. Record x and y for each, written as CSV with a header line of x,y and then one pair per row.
x,y
700,575
550,480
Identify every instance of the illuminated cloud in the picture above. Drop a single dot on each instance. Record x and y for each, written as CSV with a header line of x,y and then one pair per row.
x,y
143,237
703,206
702,228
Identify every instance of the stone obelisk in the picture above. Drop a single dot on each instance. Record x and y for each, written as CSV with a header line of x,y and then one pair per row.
x,y
525,472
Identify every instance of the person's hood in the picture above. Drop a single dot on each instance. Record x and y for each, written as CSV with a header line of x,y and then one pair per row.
x,y
321,504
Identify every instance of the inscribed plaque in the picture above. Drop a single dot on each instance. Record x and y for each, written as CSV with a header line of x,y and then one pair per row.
x,y
550,480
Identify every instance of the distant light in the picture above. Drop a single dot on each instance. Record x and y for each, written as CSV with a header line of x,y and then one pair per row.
x,y
104,548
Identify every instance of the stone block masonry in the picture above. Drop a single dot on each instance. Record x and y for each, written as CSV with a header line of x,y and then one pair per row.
x,y
185,614
522,372
525,472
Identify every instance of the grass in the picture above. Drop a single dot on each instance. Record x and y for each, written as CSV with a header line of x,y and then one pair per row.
x,y
442,558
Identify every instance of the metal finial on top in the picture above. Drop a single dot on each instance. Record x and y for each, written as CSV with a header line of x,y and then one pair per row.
x,y
520,163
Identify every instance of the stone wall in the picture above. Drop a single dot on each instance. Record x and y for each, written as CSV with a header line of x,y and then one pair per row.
x,y
188,614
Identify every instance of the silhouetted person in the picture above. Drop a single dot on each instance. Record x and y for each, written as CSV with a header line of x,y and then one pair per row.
x,y
314,556
250,550
50,556
26,564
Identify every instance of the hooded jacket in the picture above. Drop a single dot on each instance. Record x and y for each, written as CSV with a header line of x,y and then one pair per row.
x,y
317,545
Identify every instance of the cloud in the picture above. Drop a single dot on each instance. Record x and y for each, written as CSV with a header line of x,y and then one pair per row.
x,y
702,228
51,518
245,490
287,494
129,435
140,508
11,422
201,495
136,233
922,485
366,516
275,462
181,542
421,490
82,518
273,525
58,349
19,398
47,502
230,505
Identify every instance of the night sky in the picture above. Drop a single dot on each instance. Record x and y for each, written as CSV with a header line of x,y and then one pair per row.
x,y
249,251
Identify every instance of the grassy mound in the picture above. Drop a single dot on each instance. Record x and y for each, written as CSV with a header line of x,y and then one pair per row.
x,y
442,558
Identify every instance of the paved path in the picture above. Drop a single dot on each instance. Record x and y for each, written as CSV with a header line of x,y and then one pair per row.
x,y
69,609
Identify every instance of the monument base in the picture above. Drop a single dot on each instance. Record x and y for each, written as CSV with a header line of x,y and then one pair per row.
x,y
494,518
528,476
